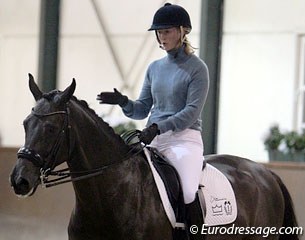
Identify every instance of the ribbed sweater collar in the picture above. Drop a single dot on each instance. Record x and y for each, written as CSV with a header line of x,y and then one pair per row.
x,y
177,55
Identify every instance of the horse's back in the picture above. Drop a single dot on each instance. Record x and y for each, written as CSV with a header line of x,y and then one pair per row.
x,y
237,169
259,198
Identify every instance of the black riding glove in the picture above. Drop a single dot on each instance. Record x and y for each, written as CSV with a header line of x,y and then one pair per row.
x,y
113,98
149,133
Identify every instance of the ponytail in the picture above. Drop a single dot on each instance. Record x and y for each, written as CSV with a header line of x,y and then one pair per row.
x,y
189,49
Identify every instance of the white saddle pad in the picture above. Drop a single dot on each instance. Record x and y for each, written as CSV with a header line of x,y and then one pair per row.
x,y
217,196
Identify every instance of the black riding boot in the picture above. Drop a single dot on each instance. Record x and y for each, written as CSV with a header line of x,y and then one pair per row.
x,y
194,217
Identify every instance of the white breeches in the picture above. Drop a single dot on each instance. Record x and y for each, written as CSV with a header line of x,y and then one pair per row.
x,y
184,151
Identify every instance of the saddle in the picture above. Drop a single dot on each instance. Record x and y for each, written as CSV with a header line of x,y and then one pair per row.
x,y
171,180
215,197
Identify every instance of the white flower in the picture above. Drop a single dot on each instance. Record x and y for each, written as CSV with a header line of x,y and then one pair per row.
x,y
283,147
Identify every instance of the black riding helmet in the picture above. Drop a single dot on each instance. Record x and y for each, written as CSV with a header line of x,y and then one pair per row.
x,y
170,15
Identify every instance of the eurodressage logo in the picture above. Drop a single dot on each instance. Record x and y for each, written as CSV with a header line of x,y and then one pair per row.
x,y
221,206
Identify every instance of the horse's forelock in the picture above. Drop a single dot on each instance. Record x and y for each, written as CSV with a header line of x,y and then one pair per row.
x,y
50,96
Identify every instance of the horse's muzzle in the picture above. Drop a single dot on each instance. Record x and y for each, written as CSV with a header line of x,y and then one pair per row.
x,y
24,178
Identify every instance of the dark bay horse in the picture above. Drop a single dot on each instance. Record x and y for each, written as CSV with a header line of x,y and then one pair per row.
x,y
122,201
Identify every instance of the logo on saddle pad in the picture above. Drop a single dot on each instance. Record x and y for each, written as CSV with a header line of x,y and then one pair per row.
x,y
220,206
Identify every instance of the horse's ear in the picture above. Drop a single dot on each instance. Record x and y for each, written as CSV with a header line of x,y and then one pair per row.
x,y
34,88
66,95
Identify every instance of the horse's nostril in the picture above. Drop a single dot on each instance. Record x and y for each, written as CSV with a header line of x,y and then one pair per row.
x,y
22,186
22,182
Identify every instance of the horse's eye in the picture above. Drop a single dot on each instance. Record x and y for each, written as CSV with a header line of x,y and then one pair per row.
x,y
50,129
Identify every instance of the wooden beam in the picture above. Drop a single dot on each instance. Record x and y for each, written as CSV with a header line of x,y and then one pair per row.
x,y
48,44
210,47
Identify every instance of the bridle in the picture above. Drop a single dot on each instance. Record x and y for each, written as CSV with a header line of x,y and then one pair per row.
x,y
48,164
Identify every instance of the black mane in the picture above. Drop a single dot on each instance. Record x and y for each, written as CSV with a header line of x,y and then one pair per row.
x,y
102,125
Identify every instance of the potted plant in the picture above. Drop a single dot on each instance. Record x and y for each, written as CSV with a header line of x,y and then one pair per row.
x,y
289,146
295,143
272,143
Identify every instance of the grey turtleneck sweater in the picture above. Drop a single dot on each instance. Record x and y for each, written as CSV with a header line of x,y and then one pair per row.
x,y
174,92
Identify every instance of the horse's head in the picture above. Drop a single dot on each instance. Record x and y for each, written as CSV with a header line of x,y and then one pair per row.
x,y
46,138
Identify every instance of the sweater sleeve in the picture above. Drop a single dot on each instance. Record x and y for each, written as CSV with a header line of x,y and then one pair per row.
x,y
196,97
140,108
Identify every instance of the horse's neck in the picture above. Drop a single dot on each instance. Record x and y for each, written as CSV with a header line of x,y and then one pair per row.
x,y
94,143
119,187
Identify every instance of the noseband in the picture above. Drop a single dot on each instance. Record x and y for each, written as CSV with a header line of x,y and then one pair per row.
x,y
47,164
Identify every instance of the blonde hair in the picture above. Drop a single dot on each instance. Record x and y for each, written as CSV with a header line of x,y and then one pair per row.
x,y
189,49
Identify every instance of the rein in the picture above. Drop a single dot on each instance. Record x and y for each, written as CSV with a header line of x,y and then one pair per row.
x,y
66,173
63,174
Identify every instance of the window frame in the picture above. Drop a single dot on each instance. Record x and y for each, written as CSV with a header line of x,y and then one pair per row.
x,y
301,85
